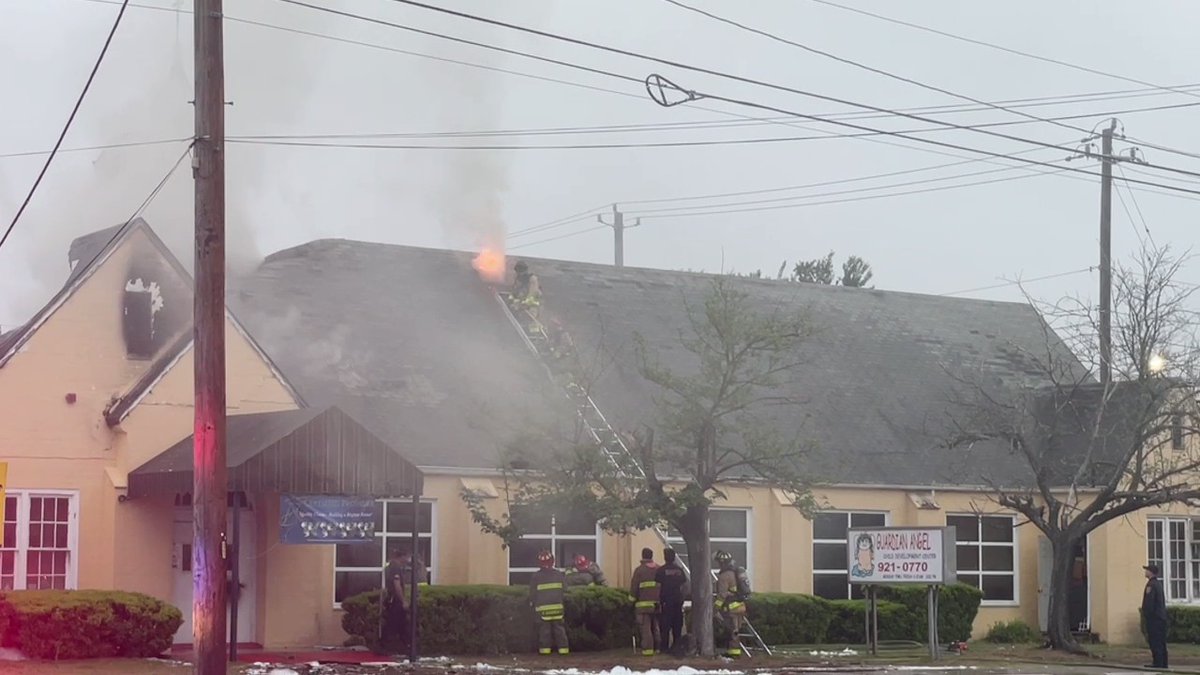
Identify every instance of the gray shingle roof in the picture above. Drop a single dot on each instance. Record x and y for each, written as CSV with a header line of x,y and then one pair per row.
x,y
416,347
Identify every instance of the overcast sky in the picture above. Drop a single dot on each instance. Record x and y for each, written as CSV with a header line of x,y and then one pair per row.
x,y
284,83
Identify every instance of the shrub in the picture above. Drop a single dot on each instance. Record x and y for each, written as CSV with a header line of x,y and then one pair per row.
x,y
1183,624
896,622
497,619
1013,633
958,605
785,618
87,624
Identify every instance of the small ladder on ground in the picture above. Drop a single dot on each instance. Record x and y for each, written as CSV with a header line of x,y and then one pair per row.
x,y
597,427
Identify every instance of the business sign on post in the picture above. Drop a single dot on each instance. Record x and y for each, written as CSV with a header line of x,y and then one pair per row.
x,y
901,555
326,519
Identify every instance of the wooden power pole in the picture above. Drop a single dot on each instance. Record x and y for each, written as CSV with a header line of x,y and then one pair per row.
x,y
618,225
1106,162
209,482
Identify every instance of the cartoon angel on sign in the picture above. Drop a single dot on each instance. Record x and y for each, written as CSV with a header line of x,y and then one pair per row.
x,y
864,556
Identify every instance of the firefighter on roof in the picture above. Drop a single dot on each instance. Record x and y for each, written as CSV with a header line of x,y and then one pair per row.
x,y
586,573
733,588
546,596
526,291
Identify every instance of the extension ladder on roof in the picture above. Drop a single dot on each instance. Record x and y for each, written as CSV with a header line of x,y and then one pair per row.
x,y
597,427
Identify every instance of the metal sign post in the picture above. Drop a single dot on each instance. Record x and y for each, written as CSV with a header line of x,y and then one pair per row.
x,y
901,556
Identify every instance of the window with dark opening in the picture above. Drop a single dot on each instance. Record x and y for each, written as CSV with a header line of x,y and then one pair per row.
x,y
1176,432
138,320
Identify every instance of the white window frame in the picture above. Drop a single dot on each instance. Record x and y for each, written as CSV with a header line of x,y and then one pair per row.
x,y
675,541
554,538
1015,544
1191,559
22,548
431,536
844,543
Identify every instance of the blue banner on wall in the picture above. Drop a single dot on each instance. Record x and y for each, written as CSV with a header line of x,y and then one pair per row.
x,y
323,519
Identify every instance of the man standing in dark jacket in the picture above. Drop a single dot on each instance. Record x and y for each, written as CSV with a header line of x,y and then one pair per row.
x,y
1154,612
673,591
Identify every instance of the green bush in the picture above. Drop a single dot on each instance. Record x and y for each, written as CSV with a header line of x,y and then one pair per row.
x,y
958,605
1013,633
786,618
497,619
1183,624
896,622
87,624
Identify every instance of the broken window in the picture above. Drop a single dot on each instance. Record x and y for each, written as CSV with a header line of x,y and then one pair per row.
x,y
142,302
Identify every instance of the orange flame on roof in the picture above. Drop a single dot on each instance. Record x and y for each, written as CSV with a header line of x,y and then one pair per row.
x,y
490,265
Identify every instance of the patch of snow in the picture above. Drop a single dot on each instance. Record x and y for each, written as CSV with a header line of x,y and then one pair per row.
x,y
282,671
845,652
488,666
11,655
622,670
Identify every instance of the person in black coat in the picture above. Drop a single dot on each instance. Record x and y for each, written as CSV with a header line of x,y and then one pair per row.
x,y
1154,612
674,589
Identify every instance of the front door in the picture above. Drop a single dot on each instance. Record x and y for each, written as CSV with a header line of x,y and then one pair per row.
x,y
181,564
1078,597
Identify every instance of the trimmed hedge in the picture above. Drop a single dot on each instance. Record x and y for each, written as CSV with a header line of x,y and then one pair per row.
x,y
86,624
497,619
802,619
1183,624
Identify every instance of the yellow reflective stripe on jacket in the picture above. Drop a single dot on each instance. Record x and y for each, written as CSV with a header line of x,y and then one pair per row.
x,y
641,604
550,586
648,584
545,609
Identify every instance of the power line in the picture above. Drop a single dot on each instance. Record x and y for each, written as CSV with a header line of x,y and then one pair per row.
x,y
66,127
109,146
692,95
863,66
575,217
982,43
561,236
141,207
1136,206
1037,101
1095,96
922,181
569,65
717,124
1021,281
777,207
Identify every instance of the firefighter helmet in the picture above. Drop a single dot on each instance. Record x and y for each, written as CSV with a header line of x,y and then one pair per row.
x,y
545,559
520,267
581,562
723,557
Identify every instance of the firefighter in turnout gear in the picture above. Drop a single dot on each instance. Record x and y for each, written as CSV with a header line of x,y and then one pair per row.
x,y
733,588
546,596
526,290
586,573
645,590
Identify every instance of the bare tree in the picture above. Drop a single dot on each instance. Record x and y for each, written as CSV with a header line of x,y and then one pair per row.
x,y
713,431
1094,451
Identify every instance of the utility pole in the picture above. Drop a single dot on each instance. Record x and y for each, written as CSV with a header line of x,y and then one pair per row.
x,y
1107,159
210,486
618,225
1106,162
